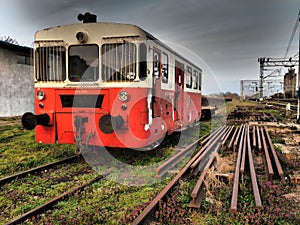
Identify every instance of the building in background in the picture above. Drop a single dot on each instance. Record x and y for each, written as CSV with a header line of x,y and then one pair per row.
x,y
16,80
290,84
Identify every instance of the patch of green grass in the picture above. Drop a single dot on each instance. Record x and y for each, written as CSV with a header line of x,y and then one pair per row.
x,y
19,151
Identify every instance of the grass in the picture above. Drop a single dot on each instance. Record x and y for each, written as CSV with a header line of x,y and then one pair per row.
x,y
109,202
19,151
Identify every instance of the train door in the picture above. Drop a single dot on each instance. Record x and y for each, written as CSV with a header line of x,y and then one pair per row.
x,y
179,84
156,91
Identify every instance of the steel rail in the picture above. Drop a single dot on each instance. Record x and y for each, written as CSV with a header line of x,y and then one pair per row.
x,y
227,136
175,159
165,167
196,193
269,167
253,174
36,169
258,140
207,139
244,146
254,137
236,142
50,203
207,147
162,194
235,188
200,163
274,155
233,138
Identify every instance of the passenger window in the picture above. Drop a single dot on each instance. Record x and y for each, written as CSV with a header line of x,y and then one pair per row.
x,y
195,79
143,61
189,79
165,68
156,64
200,80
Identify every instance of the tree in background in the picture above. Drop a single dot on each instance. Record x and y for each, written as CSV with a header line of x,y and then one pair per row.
x,y
9,39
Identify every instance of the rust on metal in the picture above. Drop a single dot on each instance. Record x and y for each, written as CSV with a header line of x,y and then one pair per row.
x,y
197,194
243,146
166,166
208,147
50,203
254,137
237,138
267,156
230,145
253,174
275,157
36,169
227,136
161,195
258,140
235,188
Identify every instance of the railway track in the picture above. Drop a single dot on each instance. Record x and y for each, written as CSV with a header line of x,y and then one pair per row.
x,y
259,144
244,141
8,179
30,178
249,140
53,201
212,145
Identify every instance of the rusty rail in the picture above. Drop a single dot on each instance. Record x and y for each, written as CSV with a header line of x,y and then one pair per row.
x,y
254,137
268,163
235,188
37,169
165,167
196,194
230,145
162,194
253,174
227,135
50,203
237,138
207,149
258,140
274,156
243,143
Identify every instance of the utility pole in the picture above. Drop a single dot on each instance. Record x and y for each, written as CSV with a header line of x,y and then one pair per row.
x,y
273,62
298,105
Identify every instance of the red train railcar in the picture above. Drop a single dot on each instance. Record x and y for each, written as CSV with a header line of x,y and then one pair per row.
x,y
110,84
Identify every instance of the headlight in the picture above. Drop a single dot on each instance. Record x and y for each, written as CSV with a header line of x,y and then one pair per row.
x,y
124,96
40,95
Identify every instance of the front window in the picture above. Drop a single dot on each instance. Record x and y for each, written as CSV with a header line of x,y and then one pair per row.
x,y
83,63
119,62
50,63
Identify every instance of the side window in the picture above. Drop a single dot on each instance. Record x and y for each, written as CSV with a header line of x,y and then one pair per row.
x,y
165,68
189,79
200,80
143,61
195,79
156,64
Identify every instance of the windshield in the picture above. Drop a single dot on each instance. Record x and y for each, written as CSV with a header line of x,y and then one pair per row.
x,y
83,63
119,62
50,63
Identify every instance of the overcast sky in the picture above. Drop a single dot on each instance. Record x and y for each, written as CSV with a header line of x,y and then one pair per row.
x,y
227,36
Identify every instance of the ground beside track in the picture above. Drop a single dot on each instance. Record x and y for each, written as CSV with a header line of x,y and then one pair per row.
x,y
112,203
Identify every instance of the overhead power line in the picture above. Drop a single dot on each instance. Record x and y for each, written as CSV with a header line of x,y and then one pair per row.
x,y
292,35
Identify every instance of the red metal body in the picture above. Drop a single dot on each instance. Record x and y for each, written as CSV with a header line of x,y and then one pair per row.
x,y
109,84
132,134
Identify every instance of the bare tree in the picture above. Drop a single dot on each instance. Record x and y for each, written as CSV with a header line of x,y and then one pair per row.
x,y
9,39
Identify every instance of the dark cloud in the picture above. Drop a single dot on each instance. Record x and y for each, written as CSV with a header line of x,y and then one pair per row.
x,y
229,35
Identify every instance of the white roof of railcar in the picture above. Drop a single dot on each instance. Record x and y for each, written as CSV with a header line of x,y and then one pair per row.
x,y
108,30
